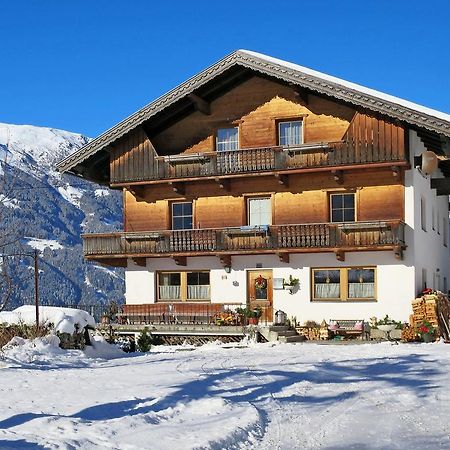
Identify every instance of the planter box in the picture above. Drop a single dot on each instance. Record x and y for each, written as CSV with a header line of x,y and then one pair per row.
x,y
376,334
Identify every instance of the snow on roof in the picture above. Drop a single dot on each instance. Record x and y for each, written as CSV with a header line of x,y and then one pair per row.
x,y
350,85
358,95
63,320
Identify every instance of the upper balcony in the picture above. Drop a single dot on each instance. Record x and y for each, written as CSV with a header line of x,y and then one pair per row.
x,y
370,142
226,242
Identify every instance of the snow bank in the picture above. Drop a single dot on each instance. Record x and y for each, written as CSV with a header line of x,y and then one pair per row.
x,y
102,349
40,350
64,320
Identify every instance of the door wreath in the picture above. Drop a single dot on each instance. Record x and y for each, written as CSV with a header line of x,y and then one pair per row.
x,y
260,282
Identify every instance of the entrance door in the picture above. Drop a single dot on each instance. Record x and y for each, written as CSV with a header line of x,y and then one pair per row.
x,y
259,292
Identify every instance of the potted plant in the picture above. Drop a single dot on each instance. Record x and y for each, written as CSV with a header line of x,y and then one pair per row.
x,y
387,324
291,284
426,331
251,314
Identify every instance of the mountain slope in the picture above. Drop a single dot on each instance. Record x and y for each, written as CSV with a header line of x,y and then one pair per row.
x,y
44,210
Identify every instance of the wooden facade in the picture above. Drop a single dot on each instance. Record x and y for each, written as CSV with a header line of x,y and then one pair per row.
x,y
343,151
333,135
305,198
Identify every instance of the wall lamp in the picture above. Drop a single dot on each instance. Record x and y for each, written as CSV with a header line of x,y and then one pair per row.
x,y
227,269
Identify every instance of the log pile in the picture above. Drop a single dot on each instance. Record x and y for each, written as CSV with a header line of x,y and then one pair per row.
x,y
433,308
409,334
310,333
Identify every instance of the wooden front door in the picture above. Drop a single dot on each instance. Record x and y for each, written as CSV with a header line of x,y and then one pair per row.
x,y
259,292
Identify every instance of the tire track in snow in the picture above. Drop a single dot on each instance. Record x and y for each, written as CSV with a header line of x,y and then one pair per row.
x,y
247,437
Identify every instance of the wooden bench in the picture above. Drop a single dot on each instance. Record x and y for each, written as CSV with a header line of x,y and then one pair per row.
x,y
348,328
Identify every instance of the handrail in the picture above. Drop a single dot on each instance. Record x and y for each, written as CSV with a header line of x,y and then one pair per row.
x,y
277,237
347,152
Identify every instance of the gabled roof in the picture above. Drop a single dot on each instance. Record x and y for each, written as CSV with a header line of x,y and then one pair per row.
x,y
360,96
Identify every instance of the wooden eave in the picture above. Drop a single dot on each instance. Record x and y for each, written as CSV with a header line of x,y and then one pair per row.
x,y
228,73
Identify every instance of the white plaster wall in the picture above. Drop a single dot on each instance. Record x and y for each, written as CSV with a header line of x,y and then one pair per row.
x,y
395,281
429,250
139,282
398,282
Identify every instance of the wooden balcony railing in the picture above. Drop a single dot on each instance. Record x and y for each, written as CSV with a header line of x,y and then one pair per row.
x,y
265,159
289,238
366,141
189,313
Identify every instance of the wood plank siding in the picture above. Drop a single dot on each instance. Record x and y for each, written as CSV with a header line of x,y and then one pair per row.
x,y
379,196
333,135
377,235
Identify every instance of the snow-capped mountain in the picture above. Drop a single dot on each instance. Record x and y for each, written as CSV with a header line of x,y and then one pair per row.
x,y
44,210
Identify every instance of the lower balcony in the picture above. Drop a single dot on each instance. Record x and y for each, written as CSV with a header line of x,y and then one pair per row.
x,y
115,248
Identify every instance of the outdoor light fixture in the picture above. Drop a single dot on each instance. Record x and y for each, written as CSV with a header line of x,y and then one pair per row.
x,y
227,269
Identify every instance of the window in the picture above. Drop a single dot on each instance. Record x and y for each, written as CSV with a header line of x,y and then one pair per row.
x,y
423,214
345,284
342,207
445,286
182,216
424,278
433,218
361,283
227,139
183,286
198,285
169,286
290,133
327,284
445,230
438,223
259,211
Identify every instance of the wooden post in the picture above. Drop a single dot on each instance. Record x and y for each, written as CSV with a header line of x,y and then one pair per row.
x,y
36,287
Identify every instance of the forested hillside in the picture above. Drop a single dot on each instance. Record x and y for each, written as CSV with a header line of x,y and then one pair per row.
x,y
44,210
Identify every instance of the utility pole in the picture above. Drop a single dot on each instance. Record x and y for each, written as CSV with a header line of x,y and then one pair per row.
x,y
35,256
36,287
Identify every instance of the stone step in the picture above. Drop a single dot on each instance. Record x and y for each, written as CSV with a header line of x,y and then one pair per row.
x,y
278,328
287,333
291,339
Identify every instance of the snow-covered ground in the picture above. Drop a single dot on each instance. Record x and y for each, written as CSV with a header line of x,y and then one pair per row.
x,y
286,396
42,244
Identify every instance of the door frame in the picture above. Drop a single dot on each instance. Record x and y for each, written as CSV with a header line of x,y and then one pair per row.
x,y
268,304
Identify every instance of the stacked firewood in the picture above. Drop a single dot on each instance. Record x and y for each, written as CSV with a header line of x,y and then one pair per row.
x,y
310,333
432,308
409,334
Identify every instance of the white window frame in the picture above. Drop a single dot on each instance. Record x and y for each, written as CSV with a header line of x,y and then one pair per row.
x,y
220,142
172,216
331,205
250,199
280,122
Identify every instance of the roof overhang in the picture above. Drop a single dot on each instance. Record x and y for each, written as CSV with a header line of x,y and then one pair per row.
x,y
236,67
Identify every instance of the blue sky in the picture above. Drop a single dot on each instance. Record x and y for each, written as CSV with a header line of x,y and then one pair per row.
x,y
83,65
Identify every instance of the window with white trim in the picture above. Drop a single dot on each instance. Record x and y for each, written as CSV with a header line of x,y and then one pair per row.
x,y
342,207
259,211
182,217
290,133
227,139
